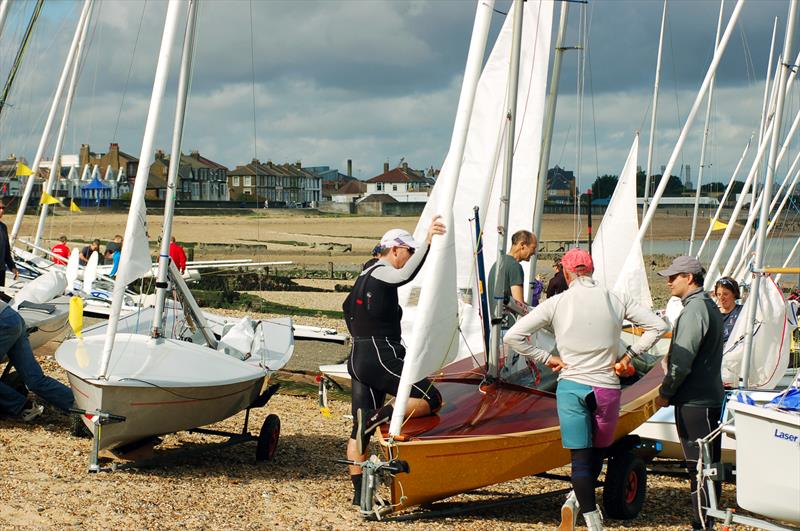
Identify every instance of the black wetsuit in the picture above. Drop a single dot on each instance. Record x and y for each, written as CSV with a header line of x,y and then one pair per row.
x,y
373,315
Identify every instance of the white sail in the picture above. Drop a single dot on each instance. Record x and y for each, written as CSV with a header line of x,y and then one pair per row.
x,y
479,181
616,236
772,331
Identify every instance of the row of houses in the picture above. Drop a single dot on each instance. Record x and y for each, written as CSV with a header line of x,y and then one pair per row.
x,y
99,177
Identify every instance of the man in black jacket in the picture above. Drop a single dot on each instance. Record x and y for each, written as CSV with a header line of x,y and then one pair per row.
x,y
5,249
693,383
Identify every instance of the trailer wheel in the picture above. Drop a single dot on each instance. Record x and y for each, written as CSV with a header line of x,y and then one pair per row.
x,y
268,438
625,486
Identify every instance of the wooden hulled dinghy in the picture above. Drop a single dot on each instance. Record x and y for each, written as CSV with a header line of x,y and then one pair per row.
x,y
479,439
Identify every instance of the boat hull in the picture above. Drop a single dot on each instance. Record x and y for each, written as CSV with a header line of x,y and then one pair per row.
x,y
159,385
482,439
153,411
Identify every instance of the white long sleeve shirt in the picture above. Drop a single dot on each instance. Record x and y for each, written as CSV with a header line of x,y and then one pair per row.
x,y
586,321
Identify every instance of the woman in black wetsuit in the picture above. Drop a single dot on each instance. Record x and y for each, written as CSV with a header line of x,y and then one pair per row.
x,y
373,315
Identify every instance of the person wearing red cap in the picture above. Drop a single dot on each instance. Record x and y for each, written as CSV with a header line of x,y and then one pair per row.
x,y
587,321
373,316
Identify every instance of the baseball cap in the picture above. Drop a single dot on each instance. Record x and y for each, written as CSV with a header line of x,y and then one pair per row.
x,y
577,259
398,238
682,264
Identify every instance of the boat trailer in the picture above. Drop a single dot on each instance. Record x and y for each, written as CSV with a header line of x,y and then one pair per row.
x,y
624,487
266,440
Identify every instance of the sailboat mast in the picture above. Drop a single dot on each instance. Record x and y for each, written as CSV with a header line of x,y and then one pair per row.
x,y
493,360
48,124
767,81
652,138
4,5
744,375
135,226
705,137
55,169
174,166
724,198
441,269
22,47
547,137
662,184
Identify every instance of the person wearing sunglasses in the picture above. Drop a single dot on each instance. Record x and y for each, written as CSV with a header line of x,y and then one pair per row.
x,y
5,249
373,314
726,291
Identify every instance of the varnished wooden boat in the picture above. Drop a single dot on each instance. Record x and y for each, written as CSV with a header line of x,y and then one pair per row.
x,y
479,439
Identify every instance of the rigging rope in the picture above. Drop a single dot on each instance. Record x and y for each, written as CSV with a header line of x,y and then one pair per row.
x,y
130,71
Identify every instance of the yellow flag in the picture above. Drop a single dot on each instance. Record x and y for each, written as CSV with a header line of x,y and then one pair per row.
x,y
73,206
718,225
48,199
23,170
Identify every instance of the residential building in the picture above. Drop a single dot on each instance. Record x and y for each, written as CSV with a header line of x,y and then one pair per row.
x,y
350,191
200,179
560,185
278,184
401,183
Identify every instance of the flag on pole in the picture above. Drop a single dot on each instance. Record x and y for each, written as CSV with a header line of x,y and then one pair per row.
x,y
73,207
23,170
718,225
48,199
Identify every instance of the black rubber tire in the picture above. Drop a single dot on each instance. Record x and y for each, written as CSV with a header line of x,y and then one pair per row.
x,y
625,486
268,438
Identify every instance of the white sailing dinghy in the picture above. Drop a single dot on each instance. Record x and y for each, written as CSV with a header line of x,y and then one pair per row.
x,y
153,384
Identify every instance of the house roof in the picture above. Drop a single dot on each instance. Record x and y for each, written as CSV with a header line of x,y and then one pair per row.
x,y
398,175
379,198
559,182
351,187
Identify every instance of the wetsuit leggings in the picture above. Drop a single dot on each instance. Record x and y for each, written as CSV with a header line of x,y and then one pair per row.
x,y
375,364
695,422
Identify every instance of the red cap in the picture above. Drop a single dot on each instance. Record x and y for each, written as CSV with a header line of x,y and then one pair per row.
x,y
577,260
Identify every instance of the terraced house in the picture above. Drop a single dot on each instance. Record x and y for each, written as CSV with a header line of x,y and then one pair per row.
x,y
277,185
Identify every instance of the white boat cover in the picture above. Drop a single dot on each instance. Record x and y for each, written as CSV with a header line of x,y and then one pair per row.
x,y
41,289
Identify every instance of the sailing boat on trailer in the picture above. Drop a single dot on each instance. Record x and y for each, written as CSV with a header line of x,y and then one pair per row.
x,y
152,385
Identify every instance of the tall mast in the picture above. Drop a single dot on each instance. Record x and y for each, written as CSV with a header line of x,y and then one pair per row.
x,y
4,5
502,229
652,139
48,124
437,260
174,166
547,136
648,218
705,136
767,81
135,259
22,47
55,170
744,375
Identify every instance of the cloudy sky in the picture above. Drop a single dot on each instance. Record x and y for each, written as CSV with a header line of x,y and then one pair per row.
x,y
376,81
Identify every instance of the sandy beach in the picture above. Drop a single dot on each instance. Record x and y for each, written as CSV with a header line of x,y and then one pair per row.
x,y
44,477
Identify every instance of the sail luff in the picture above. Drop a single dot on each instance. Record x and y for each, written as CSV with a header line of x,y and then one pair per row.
x,y
764,220
135,259
37,159
705,137
651,139
55,169
712,69
442,247
174,166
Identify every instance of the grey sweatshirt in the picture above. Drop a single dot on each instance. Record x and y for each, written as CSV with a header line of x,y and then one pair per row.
x,y
587,321
695,355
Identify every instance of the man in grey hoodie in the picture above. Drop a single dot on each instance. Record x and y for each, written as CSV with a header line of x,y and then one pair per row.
x,y
693,383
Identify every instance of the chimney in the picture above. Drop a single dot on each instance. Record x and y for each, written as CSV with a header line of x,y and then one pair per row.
x,y
255,161
84,156
298,165
349,167
405,166
159,154
195,155
385,167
